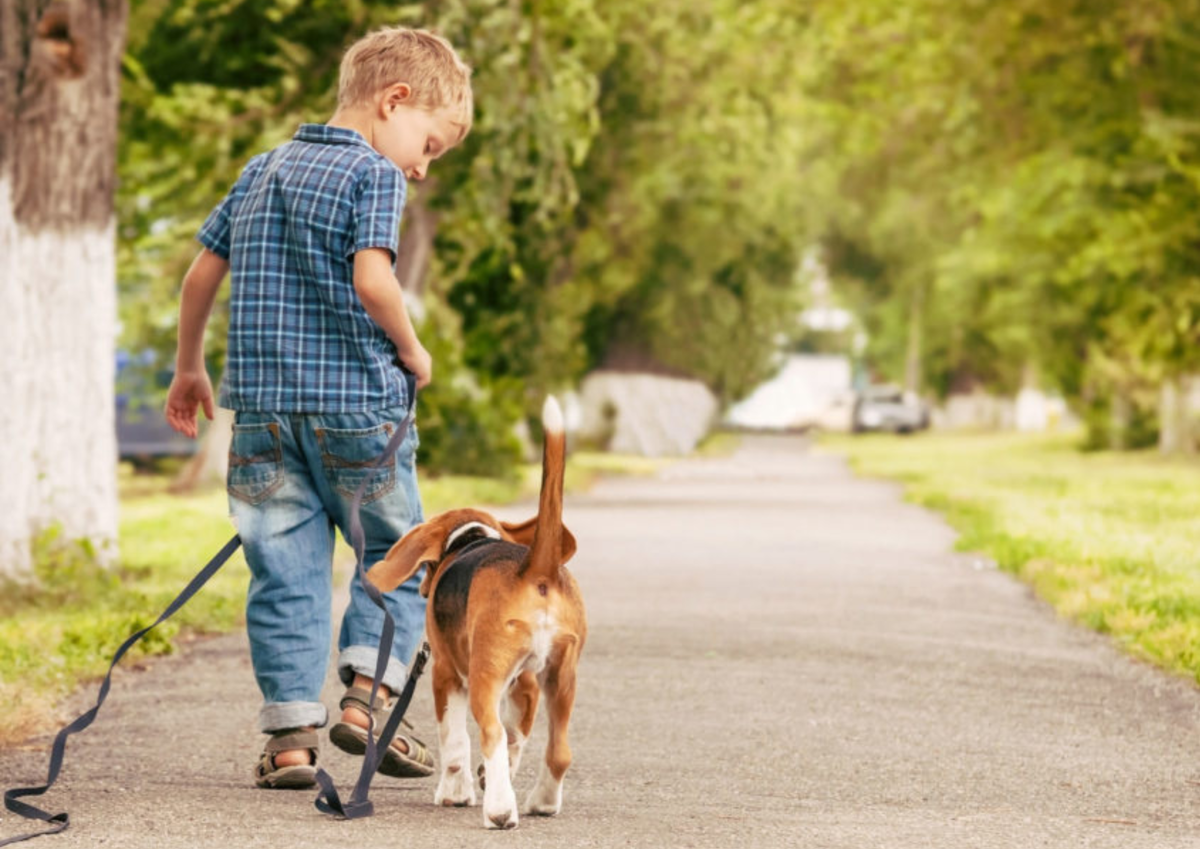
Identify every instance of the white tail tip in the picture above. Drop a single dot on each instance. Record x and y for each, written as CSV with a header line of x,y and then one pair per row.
x,y
552,417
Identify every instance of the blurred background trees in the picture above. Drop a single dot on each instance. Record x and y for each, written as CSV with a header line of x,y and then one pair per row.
x,y
1004,192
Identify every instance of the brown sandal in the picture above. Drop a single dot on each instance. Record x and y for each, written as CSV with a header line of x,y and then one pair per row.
x,y
417,762
299,777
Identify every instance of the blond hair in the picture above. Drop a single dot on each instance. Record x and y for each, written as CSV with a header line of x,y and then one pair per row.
x,y
427,62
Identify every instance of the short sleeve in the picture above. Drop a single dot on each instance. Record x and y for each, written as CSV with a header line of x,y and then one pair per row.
x,y
215,233
377,209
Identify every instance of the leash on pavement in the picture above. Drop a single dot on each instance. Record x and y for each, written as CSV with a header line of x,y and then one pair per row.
x,y
328,800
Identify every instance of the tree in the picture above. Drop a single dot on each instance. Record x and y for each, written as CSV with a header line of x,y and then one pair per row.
x,y
59,64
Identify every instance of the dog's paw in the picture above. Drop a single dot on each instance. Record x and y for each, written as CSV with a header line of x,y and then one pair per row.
x,y
504,818
545,799
499,803
455,789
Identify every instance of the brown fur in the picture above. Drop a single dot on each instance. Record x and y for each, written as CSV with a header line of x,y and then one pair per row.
x,y
492,649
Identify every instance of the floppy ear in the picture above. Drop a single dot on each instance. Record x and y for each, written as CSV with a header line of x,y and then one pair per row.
x,y
420,546
522,533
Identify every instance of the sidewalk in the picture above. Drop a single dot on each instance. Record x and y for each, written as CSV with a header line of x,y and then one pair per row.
x,y
780,656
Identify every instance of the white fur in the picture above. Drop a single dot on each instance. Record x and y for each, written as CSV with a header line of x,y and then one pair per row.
x,y
488,531
499,800
457,784
511,714
545,799
541,641
552,417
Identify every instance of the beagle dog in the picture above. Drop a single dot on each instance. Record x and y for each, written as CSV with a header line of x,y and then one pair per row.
x,y
506,625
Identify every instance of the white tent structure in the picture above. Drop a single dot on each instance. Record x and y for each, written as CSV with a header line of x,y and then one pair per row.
x,y
805,392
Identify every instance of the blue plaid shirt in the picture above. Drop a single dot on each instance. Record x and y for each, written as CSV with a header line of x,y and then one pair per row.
x,y
299,338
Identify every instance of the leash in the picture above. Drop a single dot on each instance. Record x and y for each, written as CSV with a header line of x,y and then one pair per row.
x,y
359,805
328,800
58,822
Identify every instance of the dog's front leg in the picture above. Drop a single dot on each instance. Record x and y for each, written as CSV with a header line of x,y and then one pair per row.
x,y
456,786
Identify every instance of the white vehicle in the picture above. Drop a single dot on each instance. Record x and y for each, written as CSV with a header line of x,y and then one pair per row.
x,y
889,409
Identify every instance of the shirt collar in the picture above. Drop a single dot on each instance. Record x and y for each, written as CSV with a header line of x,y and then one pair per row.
x,y
325,134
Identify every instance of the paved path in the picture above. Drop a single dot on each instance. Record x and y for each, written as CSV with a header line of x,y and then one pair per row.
x,y
780,656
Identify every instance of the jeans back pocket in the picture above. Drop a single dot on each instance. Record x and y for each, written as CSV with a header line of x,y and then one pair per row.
x,y
349,456
255,462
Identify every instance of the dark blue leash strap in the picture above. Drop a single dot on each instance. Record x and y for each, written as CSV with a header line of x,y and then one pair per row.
x,y
58,822
359,804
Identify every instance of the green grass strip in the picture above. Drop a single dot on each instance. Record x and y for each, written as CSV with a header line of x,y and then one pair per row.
x,y
1111,539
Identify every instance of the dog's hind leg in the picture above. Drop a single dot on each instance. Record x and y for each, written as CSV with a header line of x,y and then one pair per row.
x,y
456,786
518,711
491,669
558,686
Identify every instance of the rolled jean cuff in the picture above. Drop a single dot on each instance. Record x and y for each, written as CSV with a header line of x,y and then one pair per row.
x,y
361,660
277,716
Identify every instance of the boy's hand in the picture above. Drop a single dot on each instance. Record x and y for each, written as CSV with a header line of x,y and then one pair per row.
x,y
188,390
420,363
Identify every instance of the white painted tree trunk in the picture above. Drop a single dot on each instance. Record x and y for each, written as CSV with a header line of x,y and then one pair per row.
x,y
59,88
58,317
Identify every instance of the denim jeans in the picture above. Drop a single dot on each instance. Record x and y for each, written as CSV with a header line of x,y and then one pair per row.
x,y
291,480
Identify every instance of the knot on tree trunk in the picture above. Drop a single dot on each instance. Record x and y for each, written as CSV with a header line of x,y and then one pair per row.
x,y
64,48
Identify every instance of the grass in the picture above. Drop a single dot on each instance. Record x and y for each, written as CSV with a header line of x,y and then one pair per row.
x,y
63,631
1112,540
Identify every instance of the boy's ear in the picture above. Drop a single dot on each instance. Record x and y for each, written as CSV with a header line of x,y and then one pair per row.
x,y
397,94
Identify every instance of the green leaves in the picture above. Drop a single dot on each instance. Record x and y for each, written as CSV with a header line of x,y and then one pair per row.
x,y
1033,164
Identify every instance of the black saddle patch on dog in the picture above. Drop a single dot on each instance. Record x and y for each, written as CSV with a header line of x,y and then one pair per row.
x,y
454,586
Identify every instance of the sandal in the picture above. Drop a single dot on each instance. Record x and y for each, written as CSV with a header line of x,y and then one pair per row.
x,y
299,777
417,762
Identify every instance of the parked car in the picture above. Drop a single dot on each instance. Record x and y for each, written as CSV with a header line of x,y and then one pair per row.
x,y
142,432
889,409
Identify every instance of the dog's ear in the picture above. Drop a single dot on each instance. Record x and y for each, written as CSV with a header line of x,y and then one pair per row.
x,y
522,533
422,545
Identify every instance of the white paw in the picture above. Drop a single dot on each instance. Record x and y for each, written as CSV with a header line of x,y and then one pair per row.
x,y
499,800
455,789
545,799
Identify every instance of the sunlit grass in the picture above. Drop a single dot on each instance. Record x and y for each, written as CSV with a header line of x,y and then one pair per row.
x,y
1112,539
66,632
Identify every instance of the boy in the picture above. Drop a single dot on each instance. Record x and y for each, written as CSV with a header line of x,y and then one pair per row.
x,y
318,333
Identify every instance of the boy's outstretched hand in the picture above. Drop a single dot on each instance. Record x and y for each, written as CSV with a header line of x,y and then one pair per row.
x,y
188,391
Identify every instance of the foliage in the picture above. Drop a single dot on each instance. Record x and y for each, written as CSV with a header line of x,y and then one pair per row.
x,y
1109,539
1020,177
626,183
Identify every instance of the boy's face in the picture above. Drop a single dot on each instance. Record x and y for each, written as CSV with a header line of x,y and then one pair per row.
x,y
412,137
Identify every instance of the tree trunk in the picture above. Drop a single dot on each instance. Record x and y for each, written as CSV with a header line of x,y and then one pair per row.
x,y
912,357
59,88
1179,429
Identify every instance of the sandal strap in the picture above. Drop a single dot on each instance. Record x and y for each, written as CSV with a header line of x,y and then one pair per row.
x,y
359,697
417,750
291,738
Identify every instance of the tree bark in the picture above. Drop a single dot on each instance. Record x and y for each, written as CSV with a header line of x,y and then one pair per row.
x,y
912,358
59,88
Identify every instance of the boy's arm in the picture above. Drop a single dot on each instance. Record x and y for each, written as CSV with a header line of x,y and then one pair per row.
x,y
191,387
383,300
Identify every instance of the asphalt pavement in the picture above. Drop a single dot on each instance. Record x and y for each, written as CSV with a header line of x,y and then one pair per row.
x,y
780,655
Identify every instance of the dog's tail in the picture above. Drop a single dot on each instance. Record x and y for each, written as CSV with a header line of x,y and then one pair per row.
x,y
547,552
